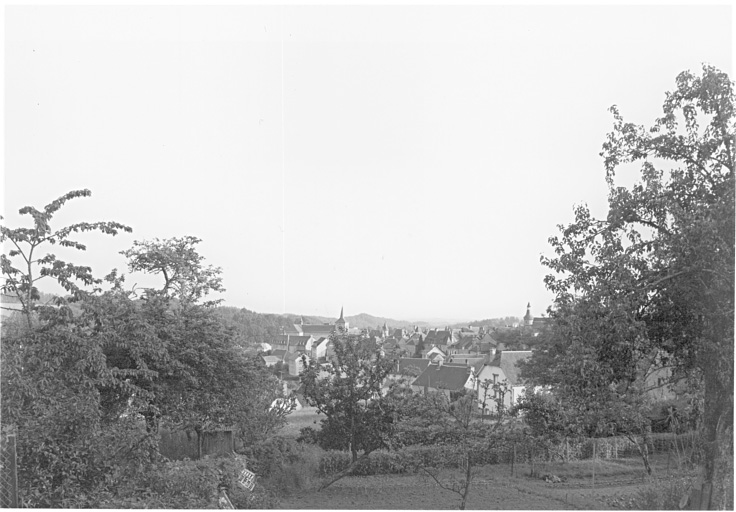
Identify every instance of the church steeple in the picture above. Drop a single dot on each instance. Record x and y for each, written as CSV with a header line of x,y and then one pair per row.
x,y
341,321
528,318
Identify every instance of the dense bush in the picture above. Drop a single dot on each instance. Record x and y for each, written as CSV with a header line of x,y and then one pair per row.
x,y
308,435
284,465
184,485
657,495
269,456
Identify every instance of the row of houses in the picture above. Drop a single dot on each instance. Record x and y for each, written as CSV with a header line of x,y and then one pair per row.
x,y
428,376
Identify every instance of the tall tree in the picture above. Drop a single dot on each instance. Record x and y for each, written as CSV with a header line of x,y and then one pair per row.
x,y
181,266
22,266
653,283
348,393
204,380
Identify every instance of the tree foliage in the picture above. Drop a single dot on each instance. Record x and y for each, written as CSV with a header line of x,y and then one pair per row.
x,y
348,393
22,266
186,278
87,381
651,286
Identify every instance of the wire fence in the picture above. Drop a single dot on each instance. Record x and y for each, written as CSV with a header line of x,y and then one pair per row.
x,y
606,448
8,472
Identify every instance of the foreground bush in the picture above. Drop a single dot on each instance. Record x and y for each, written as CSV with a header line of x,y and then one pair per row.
x,y
284,465
185,485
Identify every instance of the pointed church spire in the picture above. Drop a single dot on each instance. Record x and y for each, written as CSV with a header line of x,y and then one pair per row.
x,y
528,318
341,321
341,318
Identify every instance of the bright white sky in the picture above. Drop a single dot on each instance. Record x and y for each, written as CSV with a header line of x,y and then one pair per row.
x,y
402,161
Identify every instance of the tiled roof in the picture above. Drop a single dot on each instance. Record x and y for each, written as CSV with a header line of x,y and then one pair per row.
x,y
293,356
466,344
478,366
509,364
487,338
443,377
293,341
439,337
302,341
412,362
467,359
318,329
280,353
294,329
485,347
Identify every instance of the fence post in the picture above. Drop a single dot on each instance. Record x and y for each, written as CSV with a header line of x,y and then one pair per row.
x,y
594,444
8,472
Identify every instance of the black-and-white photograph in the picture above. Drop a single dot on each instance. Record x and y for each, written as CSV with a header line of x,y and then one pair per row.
x,y
354,256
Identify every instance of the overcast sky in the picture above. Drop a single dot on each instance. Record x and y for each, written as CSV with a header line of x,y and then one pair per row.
x,y
402,161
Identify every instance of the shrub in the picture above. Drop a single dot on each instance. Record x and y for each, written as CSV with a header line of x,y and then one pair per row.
x,y
296,475
308,435
662,494
270,456
333,462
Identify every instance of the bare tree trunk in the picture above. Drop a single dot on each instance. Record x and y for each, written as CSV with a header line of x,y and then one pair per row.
x,y
345,472
468,476
643,452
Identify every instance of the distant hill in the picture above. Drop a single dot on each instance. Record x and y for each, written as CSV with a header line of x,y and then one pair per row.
x,y
366,321
493,322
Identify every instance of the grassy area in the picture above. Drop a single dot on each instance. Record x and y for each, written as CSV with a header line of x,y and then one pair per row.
x,y
295,421
621,483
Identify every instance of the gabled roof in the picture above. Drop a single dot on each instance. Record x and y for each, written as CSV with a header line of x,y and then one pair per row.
x,y
293,356
439,337
280,353
436,350
292,340
466,344
487,338
302,341
478,366
443,376
318,329
509,364
412,362
415,338
294,329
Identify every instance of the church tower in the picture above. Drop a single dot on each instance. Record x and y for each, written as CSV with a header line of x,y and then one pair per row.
x,y
528,318
341,324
